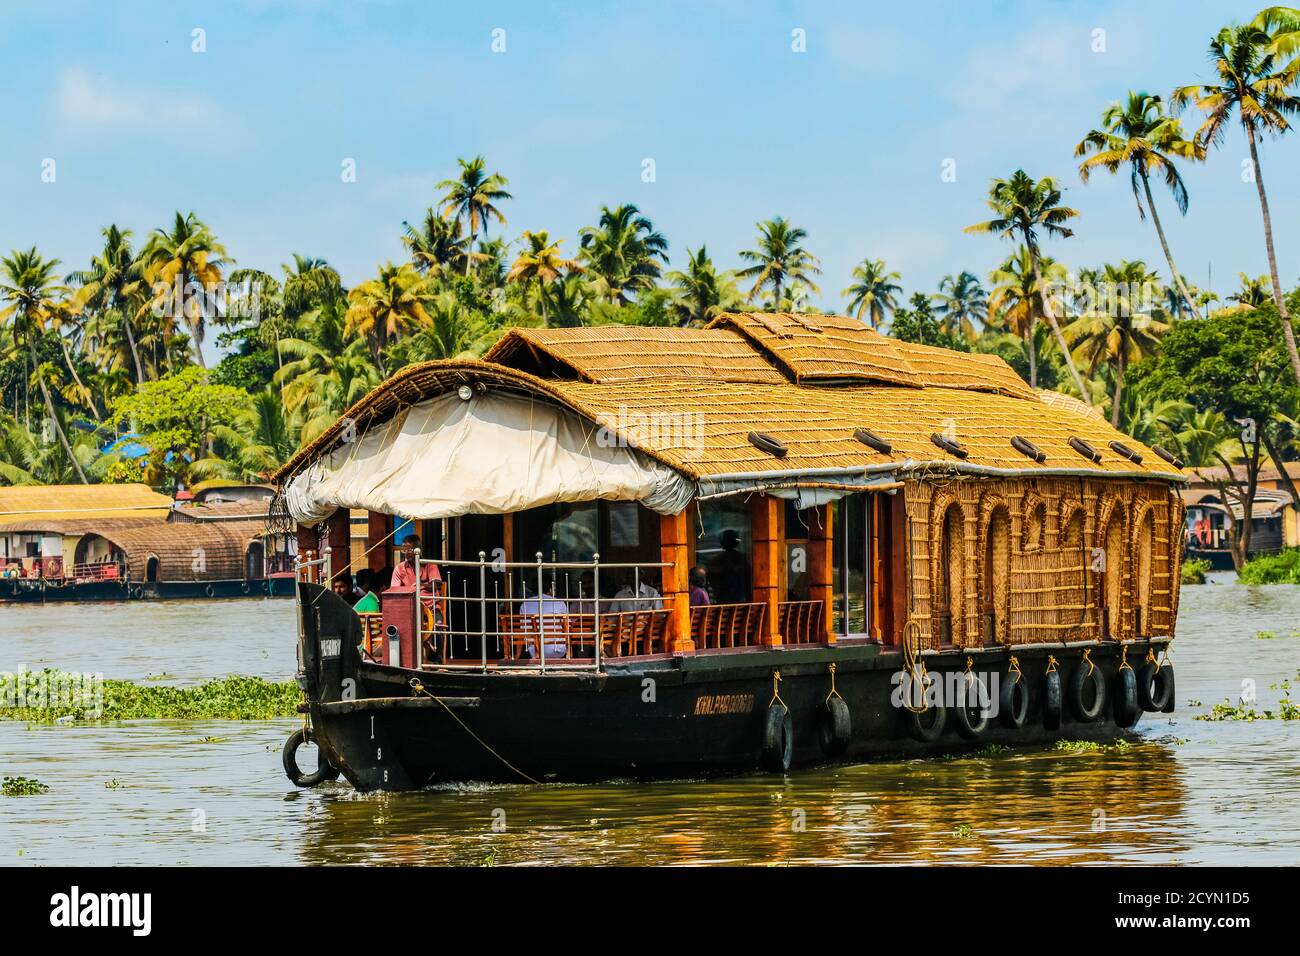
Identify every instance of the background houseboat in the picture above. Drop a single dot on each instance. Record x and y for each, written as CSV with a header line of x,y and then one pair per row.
x,y
127,542
861,515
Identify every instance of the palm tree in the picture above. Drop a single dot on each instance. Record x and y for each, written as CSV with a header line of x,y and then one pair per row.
x,y
961,303
540,264
436,244
623,253
172,260
1140,135
1253,292
1016,302
701,292
472,197
1023,206
1251,82
388,305
308,281
328,371
1282,24
113,283
873,292
28,284
1118,332
779,261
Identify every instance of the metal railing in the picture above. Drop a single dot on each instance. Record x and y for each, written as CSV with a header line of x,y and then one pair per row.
x,y
314,570
549,618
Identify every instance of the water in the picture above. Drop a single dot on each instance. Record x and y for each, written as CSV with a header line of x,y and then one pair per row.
x,y
186,792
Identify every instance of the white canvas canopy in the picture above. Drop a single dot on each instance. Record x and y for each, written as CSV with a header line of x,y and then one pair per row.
x,y
490,454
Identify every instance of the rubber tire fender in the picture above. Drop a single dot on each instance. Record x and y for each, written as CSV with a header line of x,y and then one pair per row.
x,y
836,727
210,591
1155,688
1082,676
1052,700
1013,701
324,769
778,739
1125,707
968,717
927,725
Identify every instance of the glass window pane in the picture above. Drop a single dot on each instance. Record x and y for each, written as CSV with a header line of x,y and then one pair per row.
x,y
723,549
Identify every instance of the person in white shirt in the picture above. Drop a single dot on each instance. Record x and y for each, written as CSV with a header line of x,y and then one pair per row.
x,y
549,608
641,598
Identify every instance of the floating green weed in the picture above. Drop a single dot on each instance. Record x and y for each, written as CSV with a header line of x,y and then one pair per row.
x,y
226,698
1194,570
1119,744
22,787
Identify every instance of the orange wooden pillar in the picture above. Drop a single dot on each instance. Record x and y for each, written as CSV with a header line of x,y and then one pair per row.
x,y
765,530
377,543
821,567
674,551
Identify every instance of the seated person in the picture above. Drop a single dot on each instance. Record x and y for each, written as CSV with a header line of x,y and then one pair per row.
x,y
404,573
342,586
633,597
553,628
368,603
699,581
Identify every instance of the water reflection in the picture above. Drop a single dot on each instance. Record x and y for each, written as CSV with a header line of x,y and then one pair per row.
x,y
1185,792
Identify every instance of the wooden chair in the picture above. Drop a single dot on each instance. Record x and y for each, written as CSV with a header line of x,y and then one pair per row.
x,y
526,632
372,637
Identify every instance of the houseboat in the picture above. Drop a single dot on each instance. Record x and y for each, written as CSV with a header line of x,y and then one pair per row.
x,y
782,539
128,542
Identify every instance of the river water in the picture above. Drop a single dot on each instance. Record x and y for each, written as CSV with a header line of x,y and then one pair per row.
x,y
213,792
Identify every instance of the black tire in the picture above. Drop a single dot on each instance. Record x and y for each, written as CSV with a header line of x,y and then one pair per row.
x,y
324,769
1126,708
244,588
209,590
1013,701
1084,679
927,725
1146,678
835,727
1052,700
778,739
1165,688
968,715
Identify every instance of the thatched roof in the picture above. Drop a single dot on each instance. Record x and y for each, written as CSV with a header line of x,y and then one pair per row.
x,y
28,503
691,397
186,551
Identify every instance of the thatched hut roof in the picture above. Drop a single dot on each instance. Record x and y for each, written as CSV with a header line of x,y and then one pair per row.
x,y
186,551
25,504
833,376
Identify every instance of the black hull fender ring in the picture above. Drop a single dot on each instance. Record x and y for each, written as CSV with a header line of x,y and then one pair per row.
x,y
778,731
324,769
1126,707
1052,696
1155,685
1013,697
1087,675
836,725
970,715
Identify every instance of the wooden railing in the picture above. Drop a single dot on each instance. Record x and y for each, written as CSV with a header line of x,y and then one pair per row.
x,y
572,636
800,622
727,625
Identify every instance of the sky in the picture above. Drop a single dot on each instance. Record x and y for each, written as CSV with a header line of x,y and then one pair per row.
x,y
849,139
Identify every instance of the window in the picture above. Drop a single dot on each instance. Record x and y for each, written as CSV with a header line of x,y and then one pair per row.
x,y
851,517
723,548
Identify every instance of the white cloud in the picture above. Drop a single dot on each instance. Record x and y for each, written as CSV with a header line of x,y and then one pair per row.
x,y
90,101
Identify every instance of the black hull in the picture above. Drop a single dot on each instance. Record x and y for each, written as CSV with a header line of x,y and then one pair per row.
x,y
688,716
41,592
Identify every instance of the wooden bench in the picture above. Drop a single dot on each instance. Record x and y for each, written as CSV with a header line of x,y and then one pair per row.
x,y
727,625
800,622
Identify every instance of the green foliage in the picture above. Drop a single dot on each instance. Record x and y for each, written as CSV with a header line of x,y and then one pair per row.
x,y
227,698
919,324
1280,568
22,787
1194,570
175,417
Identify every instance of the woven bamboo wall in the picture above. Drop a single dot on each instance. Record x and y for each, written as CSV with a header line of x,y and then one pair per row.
x,y
1050,586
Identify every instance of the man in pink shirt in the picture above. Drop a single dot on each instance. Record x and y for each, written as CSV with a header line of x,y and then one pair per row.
x,y
404,573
